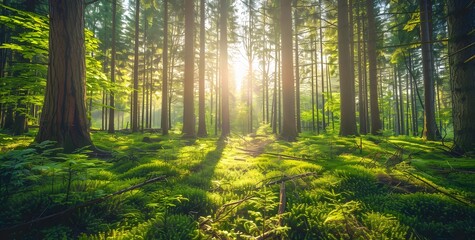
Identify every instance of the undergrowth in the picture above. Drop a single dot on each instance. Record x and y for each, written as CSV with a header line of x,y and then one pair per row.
x,y
245,187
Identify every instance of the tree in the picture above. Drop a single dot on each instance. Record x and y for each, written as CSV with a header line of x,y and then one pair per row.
x,y
188,95
164,120
223,69
113,56
462,70
202,111
289,127
430,127
135,98
347,94
373,78
64,118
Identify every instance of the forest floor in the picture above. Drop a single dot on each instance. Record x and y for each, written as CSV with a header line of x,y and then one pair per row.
x,y
246,187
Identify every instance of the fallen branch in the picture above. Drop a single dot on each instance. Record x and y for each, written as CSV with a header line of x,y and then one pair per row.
x,y
226,209
274,154
440,190
282,202
4,233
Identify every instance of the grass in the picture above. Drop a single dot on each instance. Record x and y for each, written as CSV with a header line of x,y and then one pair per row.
x,y
361,188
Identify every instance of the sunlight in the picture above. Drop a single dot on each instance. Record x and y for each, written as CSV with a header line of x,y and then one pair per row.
x,y
240,69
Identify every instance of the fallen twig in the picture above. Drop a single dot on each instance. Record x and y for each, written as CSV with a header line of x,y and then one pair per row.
x,y
440,190
274,154
4,233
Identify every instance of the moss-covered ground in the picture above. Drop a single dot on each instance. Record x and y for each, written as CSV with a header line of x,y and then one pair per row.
x,y
244,187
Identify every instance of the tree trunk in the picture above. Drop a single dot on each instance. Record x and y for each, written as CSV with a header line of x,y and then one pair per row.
x,y
320,38
289,127
297,68
164,121
462,72
223,50
372,60
64,118
113,54
430,127
347,94
188,95
135,100
202,111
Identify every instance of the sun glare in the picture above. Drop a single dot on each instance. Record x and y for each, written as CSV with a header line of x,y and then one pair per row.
x,y
240,69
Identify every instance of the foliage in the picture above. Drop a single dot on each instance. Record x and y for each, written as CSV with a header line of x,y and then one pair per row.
x,y
33,43
354,194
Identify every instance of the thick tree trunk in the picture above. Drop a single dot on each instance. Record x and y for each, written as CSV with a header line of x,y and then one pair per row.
x,y
462,72
289,127
223,73
347,94
64,118
202,111
372,60
188,94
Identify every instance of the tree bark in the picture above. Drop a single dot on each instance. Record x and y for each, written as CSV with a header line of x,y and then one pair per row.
x,y
462,72
289,127
113,54
430,128
135,98
164,121
64,118
372,61
223,50
188,95
347,94
202,111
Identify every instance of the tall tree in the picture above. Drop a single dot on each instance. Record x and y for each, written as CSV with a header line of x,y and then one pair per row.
x,y
64,118
289,127
347,94
113,54
202,111
373,74
297,67
164,120
462,71
430,127
188,95
223,69
135,98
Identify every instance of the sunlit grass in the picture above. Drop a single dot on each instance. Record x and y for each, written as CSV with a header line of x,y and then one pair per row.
x,y
350,181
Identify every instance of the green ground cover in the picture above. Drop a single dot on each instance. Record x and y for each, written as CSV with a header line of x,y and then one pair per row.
x,y
246,187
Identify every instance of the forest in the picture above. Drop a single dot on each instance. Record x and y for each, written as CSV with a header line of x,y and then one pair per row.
x,y
246,119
